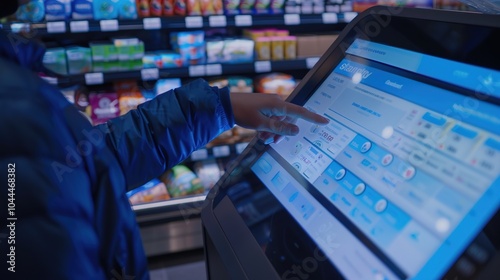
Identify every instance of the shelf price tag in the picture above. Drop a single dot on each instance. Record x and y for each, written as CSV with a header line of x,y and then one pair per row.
x,y
50,80
150,74
311,61
109,25
20,27
94,78
348,16
197,70
79,26
56,27
194,22
292,19
243,20
330,18
151,23
221,151
240,147
217,21
262,66
213,69
199,154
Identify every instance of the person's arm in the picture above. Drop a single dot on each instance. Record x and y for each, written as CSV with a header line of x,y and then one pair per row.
x,y
164,131
167,129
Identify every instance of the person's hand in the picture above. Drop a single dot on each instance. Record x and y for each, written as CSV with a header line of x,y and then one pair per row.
x,y
270,115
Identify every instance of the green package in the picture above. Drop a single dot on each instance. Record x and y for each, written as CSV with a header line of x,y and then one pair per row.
x,y
55,60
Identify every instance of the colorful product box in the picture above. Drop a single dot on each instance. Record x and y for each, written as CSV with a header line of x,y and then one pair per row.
x,y
82,9
55,60
211,7
103,51
104,106
79,60
127,9
57,9
106,9
187,38
33,11
238,50
143,8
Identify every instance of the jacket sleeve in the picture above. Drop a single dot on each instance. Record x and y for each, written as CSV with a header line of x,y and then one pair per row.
x,y
164,131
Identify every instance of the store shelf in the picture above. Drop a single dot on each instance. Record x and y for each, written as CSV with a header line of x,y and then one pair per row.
x,y
151,74
189,22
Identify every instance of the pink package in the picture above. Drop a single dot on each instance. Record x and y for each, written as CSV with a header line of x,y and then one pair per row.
x,y
104,107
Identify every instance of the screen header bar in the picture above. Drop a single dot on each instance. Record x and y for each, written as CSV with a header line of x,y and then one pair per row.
x,y
478,79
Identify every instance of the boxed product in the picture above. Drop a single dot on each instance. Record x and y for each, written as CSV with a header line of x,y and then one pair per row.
x,y
214,50
82,9
181,181
104,106
129,48
275,83
263,48
129,96
106,9
33,11
234,83
57,9
192,54
55,60
156,8
193,7
162,60
153,190
103,51
231,7
165,85
209,173
79,60
143,8
187,38
290,44
277,48
238,50
127,9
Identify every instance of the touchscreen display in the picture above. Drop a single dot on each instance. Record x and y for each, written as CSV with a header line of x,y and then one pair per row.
x,y
406,173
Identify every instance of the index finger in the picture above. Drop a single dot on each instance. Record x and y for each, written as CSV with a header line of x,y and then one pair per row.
x,y
294,110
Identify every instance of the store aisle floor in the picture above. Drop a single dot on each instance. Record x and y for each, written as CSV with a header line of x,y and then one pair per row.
x,y
190,271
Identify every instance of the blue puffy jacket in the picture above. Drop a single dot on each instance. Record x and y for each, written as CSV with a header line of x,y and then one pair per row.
x,y
74,220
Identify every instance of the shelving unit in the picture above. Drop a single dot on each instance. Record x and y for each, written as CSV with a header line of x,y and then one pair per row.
x,y
175,23
205,70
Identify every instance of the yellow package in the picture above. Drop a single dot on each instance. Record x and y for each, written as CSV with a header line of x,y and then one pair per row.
x,y
290,47
277,48
263,48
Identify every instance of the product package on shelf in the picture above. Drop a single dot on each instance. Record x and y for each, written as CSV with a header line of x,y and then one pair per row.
x,y
104,106
57,9
275,83
105,9
211,7
82,9
165,85
54,60
190,45
154,190
209,172
181,181
79,60
162,59
236,50
231,7
129,96
273,44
